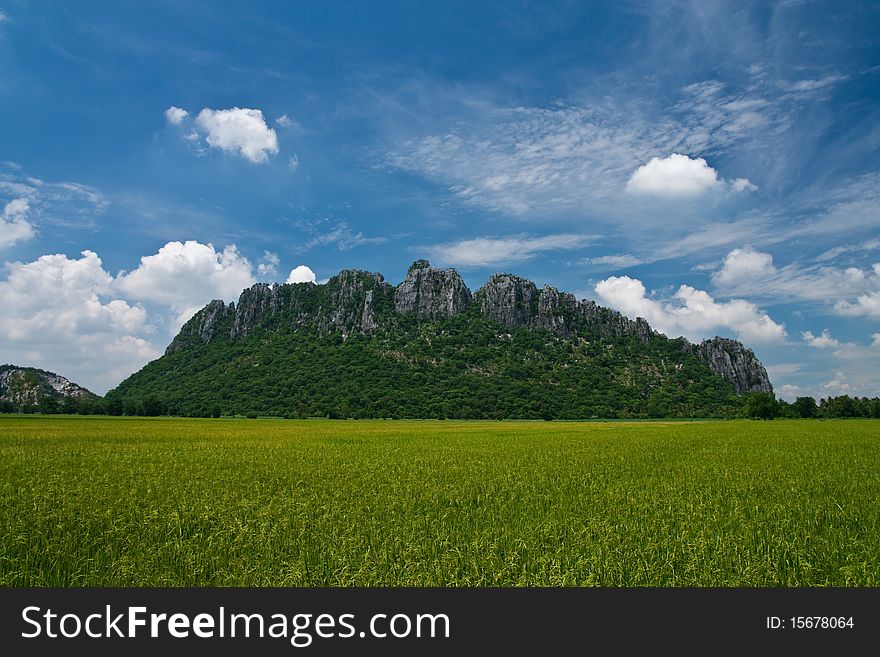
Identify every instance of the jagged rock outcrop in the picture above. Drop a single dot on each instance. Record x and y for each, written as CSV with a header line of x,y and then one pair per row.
x,y
254,305
352,302
509,300
28,387
735,362
362,302
432,293
349,302
516,302
204,326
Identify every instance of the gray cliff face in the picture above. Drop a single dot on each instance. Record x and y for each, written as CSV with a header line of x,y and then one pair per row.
x,y
254,305
508,299
348,302
432,293
516,302
26,386
352,302
735,362
356,301
204,326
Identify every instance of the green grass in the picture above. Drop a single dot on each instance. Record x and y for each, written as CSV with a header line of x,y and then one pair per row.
x,y
101,501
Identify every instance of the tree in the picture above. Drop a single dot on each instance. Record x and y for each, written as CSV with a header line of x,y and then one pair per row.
x,y
805,407
114,406
761,405
153,406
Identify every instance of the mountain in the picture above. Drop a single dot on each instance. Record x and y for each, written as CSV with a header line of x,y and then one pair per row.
x,y
357,346
27,389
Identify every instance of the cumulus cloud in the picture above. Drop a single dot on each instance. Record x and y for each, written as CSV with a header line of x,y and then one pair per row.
x,y
876,339
743,185
744,265
485,251
673,176
823,341
175,115
60,314
238,130
185,276
14,226
268,265
690,312
301,274
789,392
867,304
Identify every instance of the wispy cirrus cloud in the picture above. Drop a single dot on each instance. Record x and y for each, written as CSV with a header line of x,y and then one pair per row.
x,y
29,201
334,233
486,251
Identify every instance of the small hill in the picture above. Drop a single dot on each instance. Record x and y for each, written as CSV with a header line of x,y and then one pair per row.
x,y
358,346
28,390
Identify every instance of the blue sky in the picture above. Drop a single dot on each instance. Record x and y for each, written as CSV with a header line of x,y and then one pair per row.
x,y
710,166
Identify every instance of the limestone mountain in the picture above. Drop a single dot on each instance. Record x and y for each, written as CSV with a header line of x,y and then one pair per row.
x,y
30,389
429,347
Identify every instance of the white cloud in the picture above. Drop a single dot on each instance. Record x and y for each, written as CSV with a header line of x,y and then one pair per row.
x,y
876,338
329,232
823,341
620,261
850,291
838,385
301,274
14,226
744,265
293,163
65,204
284,121
186,276
175,115
485,251
60,314
690,312
674,176
806,86
788,392
866,305
743,185
268,265
239,130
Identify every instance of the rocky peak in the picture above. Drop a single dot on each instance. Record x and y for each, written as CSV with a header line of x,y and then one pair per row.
x,y
430,292
508,299
556,312
255,304
28,386
353,297
735,362
204,326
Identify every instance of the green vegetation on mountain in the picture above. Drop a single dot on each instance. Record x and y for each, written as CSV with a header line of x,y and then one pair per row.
x,y
31,390
358,347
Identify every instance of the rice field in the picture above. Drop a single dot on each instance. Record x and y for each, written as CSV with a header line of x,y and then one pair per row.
x,y
236,502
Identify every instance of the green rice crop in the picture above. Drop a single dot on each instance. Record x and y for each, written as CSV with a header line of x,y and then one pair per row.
x,y
235,502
